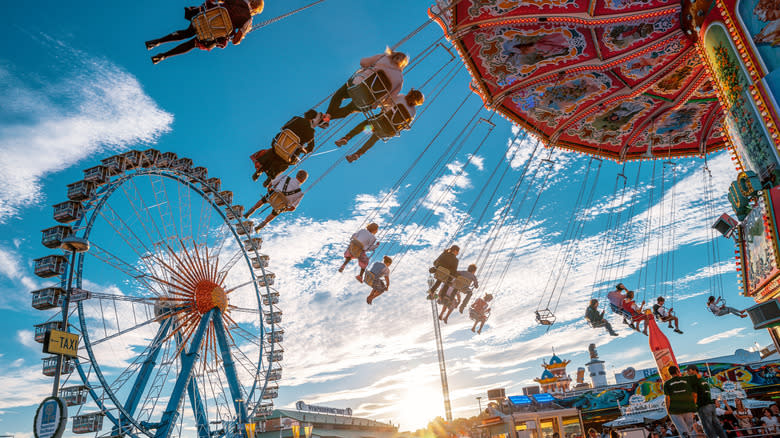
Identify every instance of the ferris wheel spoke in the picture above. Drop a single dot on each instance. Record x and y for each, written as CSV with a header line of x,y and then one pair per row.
x,y
188,362
162,317
122,266
230,369
204,220
123,230
141,210
163,205
185,212
231,262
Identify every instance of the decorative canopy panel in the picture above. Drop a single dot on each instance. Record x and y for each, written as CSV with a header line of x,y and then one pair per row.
x,y
614,78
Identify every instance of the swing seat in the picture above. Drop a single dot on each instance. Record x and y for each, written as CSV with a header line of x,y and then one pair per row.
x,y
278,201
545,317
441,274
390,122
355,248
475,315
369,279
212,24
620,311
461,283
287,145
367,94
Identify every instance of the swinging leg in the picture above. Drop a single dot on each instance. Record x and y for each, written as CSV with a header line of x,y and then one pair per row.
x,y
254,208
374,293
344,265
366,146
265,221
355,131
335,109
449,312
173,36
465,301
178,50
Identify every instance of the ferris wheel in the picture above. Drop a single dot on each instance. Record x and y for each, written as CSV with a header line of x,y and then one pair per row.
x,y
178,323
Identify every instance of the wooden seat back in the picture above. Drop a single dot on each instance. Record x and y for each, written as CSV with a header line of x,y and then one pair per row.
x,y
369,278
441,274
461,283
355,248
212,24
278,201
391,121
368,93
287,145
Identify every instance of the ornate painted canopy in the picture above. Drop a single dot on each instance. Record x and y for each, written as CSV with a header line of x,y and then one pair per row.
x,y
614,78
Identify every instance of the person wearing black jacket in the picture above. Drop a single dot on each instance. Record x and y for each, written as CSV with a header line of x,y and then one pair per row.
x,y
448,260
268,161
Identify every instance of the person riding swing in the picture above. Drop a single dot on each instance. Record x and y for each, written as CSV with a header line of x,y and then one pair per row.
x,y
362,242
443,268
394,121
284,194
480,312
212,24
374,278
295,139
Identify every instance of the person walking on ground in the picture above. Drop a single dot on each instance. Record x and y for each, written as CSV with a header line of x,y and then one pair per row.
x,y
681,399
705,405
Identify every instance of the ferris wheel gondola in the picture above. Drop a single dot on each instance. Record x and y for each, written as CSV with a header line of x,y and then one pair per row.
x,y
168,294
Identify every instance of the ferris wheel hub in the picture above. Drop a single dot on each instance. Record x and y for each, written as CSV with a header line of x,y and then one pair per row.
x,y
209,295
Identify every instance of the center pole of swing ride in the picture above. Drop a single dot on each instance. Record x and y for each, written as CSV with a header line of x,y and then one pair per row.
x,y
445,387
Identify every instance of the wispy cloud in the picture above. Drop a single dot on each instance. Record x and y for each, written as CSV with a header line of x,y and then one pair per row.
x,y
724,335
94,105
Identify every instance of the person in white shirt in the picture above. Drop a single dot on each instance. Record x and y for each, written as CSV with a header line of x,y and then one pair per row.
x,y
770,422
390,63
380,270
409,101
665,315
367,239
289,187
721,310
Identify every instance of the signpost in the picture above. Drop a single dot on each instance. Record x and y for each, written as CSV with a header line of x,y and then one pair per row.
x,y
50,418
59,342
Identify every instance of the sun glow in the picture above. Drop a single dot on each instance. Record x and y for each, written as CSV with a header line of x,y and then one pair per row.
x,y
420,405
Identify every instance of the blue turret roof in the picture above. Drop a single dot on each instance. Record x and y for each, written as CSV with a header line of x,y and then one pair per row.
x,y
547,374
555,360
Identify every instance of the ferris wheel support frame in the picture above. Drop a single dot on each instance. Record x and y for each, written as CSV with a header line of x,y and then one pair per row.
x,y
171,413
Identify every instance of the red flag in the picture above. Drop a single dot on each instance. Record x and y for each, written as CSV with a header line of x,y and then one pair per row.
x,y
661,348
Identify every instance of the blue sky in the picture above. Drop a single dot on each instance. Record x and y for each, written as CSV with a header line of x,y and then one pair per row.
x,y
78,86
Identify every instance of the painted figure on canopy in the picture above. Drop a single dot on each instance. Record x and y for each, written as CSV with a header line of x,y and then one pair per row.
x,y
240,14
529,50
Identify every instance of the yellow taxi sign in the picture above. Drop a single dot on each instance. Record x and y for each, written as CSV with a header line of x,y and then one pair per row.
x,y
59,342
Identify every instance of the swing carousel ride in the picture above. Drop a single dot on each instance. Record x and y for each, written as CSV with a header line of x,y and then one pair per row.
x,y
613,79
